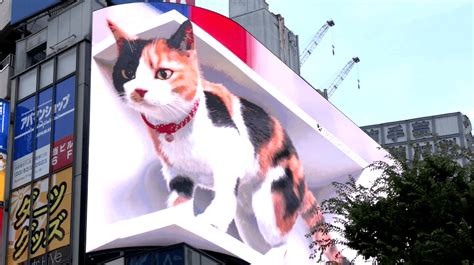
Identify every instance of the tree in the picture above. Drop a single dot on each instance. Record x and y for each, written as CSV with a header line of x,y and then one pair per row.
x,y
417,212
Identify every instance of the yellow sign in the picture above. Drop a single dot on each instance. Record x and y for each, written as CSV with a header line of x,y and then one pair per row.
x,y
3,162
49,215
60,195
39,217
18,231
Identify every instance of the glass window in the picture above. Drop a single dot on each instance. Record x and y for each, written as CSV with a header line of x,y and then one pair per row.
x,y
43,132
63,136
23,142
47,71
19,225
59,212
27,84
66,63
39,217
207,261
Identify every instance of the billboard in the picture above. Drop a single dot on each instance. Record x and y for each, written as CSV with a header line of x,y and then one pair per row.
x,y
34,132
40,219
24,9
200,134
4,120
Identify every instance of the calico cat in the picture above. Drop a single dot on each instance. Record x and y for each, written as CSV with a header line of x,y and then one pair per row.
x,y
206,136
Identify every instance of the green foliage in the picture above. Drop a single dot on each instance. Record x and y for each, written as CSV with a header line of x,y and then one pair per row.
x,y
417,212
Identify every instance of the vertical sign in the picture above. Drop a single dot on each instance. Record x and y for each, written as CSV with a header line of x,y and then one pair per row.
x,y
43,132
60,195
4,120
18,232
39,217
23,142
64,124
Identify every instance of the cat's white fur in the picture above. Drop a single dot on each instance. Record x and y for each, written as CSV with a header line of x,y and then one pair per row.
x,y
213,157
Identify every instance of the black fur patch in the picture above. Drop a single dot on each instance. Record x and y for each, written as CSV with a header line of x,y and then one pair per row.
x,y
218,112
258,122
236,188
127,61
182,185
285,152
284,186
180,39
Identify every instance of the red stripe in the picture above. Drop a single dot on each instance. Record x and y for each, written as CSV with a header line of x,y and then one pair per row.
x,y
226,31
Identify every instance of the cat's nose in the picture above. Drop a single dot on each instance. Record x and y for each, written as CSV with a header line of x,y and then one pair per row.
x,y
141,92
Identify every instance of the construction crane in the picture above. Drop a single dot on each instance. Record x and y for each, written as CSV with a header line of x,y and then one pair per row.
x,y
340,77
315,41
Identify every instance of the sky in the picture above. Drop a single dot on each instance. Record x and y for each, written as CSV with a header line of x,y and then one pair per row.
x,y
416,56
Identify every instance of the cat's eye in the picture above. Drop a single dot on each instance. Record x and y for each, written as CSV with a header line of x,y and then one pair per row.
x,y
127,74
163,74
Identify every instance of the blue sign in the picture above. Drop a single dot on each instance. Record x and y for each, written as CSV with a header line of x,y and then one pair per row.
x,y
4,120
64,108
44,114
24,124
43,118
24,9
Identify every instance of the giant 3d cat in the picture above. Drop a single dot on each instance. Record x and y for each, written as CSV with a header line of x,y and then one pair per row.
x,y
206,136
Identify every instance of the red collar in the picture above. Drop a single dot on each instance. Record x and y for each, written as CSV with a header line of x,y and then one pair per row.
x,y
170,128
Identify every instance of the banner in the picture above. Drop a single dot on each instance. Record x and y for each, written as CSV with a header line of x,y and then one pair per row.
x,y
46,225
63,136
60,201
23,142
43,132
24,9
18,231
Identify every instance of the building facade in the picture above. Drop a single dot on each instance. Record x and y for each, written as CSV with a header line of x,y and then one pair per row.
x,y
424,134
267,28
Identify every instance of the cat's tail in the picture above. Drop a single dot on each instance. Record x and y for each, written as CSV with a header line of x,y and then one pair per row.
x,y
312,215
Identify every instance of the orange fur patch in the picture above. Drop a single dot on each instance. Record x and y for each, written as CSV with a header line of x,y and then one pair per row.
x,y
284,224
185,76
267,152
157,144
180,200
223,93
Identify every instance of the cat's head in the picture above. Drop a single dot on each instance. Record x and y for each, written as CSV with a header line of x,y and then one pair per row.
x,y
157,77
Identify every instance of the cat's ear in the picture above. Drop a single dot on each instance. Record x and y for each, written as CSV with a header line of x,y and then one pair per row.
x,y
183,38
120,36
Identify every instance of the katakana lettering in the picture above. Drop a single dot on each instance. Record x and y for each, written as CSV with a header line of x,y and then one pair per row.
x,y
61,105
54,229
56,196
37,237
27,121
21,244
23,212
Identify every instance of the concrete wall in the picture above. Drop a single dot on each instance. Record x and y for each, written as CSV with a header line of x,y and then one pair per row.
x,y
424,132
267,28
241,7
5,13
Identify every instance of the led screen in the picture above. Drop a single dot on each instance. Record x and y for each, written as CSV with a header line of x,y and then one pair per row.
x,y
193,122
